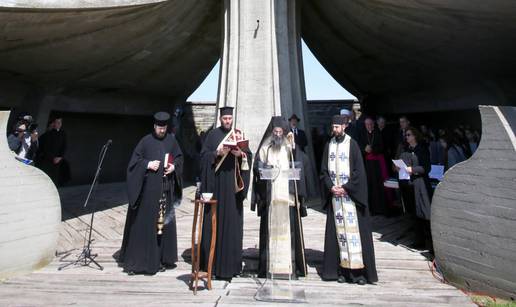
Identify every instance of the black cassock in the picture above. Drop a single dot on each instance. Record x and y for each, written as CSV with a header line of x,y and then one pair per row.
x,y
261,198
143,250
230,218
376,195
357,190
52,144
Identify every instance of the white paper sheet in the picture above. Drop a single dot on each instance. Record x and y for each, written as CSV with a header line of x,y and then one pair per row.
x,y
403,174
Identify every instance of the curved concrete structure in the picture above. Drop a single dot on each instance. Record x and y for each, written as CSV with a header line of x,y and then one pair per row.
x,y
30,214
73,4
161,48
474,212
416,55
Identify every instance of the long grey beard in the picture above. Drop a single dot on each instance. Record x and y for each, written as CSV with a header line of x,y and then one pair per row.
x,y
277,142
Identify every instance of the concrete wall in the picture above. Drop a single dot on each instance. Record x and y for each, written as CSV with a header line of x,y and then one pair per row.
x,y
474,212
30,214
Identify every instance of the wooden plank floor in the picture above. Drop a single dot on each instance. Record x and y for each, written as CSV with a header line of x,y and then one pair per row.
x,y
405,279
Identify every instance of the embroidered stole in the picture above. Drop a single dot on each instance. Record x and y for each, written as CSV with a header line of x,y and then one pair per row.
x,y
345,213
279,251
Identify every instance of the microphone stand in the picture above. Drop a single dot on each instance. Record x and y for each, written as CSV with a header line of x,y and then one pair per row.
x,y
86,257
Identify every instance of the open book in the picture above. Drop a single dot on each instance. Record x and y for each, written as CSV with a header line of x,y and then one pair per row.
x,y
235,140
243,144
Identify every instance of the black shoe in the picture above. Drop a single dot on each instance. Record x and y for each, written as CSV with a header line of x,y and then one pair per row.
x,y
341,279
131,273
165,267
361,281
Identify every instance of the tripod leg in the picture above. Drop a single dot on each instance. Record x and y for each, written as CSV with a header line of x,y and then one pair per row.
x,y
65,265
82,256
96,263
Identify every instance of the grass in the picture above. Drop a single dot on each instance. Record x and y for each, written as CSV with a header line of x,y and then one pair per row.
x,y
487,301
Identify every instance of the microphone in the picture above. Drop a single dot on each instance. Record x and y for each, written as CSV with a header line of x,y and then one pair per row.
x,y
109,142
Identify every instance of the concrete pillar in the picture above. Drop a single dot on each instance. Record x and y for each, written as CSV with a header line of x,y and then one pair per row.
x,y
261,69
30,213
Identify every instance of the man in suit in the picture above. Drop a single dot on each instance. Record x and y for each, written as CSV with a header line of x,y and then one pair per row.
x,y
299,135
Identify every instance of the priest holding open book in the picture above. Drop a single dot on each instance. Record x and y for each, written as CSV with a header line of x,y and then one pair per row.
x,y
225,159
154,182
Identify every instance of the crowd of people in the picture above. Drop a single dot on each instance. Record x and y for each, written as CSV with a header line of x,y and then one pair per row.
x,y
353,165
278,197
419,148
45,151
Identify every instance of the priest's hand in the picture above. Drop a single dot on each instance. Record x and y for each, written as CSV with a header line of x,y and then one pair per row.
x,y
338,191
368,149
222,151
237,152
153,165
169,169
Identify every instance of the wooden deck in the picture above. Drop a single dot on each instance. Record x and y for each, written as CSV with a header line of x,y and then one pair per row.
x,y
405,279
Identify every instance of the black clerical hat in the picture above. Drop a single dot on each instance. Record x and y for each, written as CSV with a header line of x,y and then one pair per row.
x,y
294,116
339,120
161,118
278,121
226,111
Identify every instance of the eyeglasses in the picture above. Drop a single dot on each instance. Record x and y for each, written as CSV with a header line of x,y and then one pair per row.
x,y
408,134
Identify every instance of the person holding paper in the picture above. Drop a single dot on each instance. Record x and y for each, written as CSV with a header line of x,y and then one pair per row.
x,y
417,191
348,243
154,182
279,204
225,173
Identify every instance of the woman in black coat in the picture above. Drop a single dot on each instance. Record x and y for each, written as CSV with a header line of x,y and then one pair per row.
x,y
417,194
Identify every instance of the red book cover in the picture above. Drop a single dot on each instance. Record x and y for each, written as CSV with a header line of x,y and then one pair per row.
x,y
169,159
236,140
243,144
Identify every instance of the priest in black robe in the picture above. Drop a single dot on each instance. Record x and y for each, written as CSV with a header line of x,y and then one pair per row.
x,y
225,173
154,182
277,150
51,151
345,190
371,145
